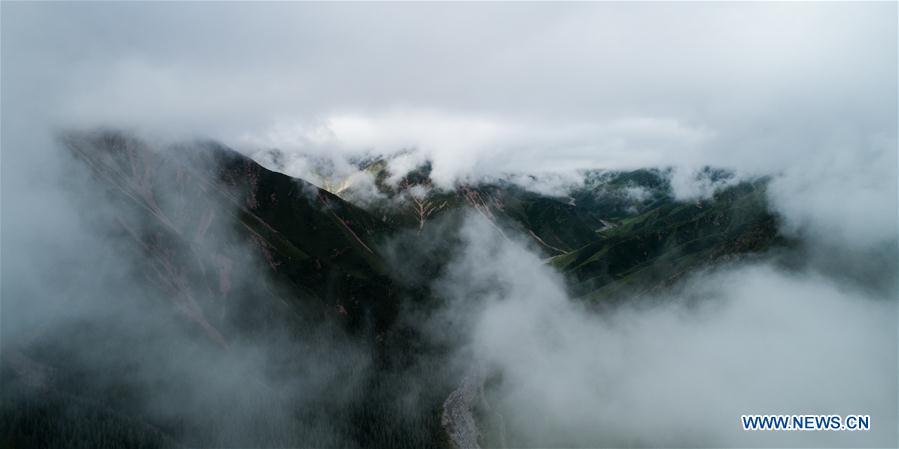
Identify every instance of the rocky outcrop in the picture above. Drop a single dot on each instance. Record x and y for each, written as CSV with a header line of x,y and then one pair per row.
x,y
458,412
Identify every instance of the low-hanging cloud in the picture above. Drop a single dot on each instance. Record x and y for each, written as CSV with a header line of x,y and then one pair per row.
x,y
469,148
675,371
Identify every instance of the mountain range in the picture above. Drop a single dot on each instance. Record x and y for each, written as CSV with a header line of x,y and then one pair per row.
x,y
225,254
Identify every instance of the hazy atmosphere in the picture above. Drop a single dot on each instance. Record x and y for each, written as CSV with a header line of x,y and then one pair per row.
x,y
448,225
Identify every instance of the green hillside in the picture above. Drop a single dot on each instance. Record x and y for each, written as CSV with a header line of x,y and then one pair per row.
x,y
655,248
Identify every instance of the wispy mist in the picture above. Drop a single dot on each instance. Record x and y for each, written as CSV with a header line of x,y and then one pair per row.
x,y
100,303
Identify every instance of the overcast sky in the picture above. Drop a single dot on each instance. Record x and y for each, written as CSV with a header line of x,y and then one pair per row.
x,y
807,89
228,69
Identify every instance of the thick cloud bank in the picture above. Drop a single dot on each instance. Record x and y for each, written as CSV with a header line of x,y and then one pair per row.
x,y
678,370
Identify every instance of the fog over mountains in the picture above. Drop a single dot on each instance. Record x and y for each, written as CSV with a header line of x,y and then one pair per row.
x,y
447,225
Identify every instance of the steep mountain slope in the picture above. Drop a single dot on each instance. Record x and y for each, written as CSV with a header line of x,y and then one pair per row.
x,y
222,262
208,200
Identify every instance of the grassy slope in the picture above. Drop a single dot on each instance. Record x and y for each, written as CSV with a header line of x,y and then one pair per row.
x,y
657,247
